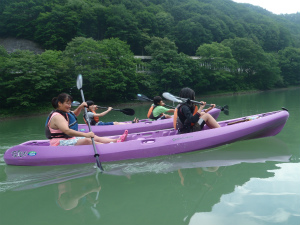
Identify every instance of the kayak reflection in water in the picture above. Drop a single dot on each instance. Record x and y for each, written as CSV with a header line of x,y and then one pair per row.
x,y
59,133
73,193
200,171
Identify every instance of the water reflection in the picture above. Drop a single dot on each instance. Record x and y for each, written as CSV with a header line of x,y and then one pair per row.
x,y
251,151
78,192
186,184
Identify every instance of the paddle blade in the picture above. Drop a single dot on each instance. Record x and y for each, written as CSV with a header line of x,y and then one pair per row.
x,y
75,103
129,112
171,97
79,81
143,98
225,109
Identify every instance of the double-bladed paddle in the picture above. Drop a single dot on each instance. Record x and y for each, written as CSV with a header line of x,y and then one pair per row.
x,y
144,98
173,98
96,155
127,111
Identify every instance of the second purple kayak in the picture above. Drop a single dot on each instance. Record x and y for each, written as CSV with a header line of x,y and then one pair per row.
x,y
142,126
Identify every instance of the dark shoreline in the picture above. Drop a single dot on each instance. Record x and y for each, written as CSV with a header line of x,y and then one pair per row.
x,y
136,103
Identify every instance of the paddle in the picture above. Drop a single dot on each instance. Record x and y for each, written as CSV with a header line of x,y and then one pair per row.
x,y
96,155
126,111
144,98
93,208
173,98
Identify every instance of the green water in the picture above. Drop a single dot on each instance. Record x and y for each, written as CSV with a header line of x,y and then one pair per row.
x,y
248,182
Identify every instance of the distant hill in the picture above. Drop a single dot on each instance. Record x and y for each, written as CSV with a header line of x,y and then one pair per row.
x,y
189,23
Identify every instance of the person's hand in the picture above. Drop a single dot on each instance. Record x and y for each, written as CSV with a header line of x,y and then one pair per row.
x,y
90,135
203,104
212,106
109,108
84,104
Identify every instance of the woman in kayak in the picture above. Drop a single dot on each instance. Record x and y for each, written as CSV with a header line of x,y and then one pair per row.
x,y
157,110
94,117
190,119
59,133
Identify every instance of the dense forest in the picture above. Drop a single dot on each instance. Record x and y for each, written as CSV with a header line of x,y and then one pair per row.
x,y
239,47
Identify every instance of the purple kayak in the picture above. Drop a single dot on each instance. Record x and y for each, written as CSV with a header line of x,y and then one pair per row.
x,y
149,144
142,126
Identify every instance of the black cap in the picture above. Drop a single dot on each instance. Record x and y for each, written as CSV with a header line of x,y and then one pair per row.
x,y
89,103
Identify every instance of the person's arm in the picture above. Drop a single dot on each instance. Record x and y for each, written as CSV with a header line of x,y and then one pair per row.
x,y
59,122
201,107
79,108
210,108
103,113
171,110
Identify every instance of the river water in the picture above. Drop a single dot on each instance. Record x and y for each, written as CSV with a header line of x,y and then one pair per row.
x,y
247,182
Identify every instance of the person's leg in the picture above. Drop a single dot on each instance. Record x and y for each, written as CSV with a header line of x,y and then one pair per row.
x,y
209,120
168,116
104,139
121,123
87,141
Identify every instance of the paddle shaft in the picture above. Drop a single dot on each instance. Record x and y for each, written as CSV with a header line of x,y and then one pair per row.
x,y
217,106
90,129
148,99
239,121
102,107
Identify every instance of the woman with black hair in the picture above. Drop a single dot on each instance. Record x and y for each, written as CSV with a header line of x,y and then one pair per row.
x,y
188,118
59,133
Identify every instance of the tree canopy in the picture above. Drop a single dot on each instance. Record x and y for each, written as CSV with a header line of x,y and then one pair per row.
x,y
188,23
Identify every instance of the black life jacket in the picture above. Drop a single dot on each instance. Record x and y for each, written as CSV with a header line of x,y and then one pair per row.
x,y
50,135
178,124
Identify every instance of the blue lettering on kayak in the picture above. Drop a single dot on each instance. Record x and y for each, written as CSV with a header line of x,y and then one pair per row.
x,y
82,129
32,153
176,139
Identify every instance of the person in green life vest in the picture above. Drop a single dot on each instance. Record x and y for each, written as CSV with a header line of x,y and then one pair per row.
x,y
157,110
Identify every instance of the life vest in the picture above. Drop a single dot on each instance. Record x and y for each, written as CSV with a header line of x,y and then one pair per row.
x,y
93,121
73,124
150,113
48,133
177,124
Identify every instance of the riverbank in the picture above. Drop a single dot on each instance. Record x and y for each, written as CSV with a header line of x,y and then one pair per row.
x,y
45,111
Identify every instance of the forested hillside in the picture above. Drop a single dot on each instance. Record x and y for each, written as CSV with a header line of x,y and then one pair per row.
x,y
239,47
189,23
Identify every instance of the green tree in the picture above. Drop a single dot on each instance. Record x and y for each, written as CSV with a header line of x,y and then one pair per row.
x,y
25,80
218,65
108,68
56,28
170,70
289,61
122,24
18,18
254,65
189,35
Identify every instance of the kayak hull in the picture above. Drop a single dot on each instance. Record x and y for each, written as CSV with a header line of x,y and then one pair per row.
x,y
147,144
142,126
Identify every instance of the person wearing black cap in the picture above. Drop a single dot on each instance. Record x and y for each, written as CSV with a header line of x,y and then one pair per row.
x,y
94,117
